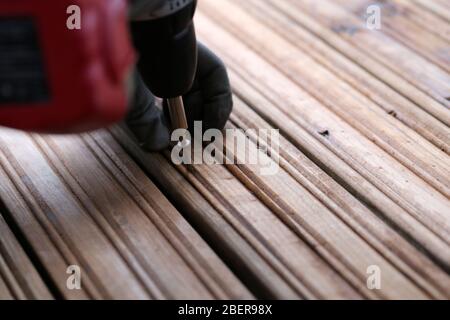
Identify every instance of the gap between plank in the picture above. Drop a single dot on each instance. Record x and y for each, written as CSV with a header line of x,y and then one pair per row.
x,y
355,229
225,253
28,249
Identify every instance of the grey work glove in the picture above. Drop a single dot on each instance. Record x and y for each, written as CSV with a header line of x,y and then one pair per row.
x,y
209,100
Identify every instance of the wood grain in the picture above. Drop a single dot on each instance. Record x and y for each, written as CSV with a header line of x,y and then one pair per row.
x,y
400,28
436,7
376,166
405,145
106,227
17,270
346,66
349,209
414,68
362,173
424,18
248,206
369,61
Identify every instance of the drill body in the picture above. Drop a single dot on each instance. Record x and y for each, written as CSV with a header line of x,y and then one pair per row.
x,y
57,80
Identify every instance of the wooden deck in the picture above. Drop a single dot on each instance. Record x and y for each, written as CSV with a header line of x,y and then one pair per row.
x,y
364,175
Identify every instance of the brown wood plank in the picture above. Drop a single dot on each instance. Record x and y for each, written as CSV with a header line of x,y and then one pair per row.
x,y
238,252
311,140
367,224
377,167
5,293
25,280
400,142
346,175
347,68
405,62
399,27
362,177
335,241
47,244
189,245
268,236
95,215
63,211
435,7
424,18
211,177
12,287
321,23
288,245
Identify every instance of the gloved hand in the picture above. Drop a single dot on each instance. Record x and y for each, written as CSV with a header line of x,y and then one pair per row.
x,y
209,100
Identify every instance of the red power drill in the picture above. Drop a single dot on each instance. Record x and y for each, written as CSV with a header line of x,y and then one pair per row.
x,y
56,79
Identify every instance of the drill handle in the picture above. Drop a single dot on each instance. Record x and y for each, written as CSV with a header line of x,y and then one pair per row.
x,y
167,49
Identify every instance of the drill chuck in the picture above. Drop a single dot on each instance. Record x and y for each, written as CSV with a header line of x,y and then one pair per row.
x,y
178,118
177,114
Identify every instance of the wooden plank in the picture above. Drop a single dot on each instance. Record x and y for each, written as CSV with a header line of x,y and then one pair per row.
x,y
282,250
323,281
133,230
400,28
285,97
46,243
27,283
363,172
333,195
347,176
214,178
435,7
347,69
336,242
349,209
108,230
65,214
14,287
5,293
206,218
412,67
365,59
425,19
189,245
379,168
402,143
252,267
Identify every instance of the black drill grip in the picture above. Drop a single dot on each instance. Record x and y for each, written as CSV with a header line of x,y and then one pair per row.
x,y
167,50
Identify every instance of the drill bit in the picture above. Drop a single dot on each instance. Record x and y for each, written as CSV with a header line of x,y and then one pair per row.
x,y
178,118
